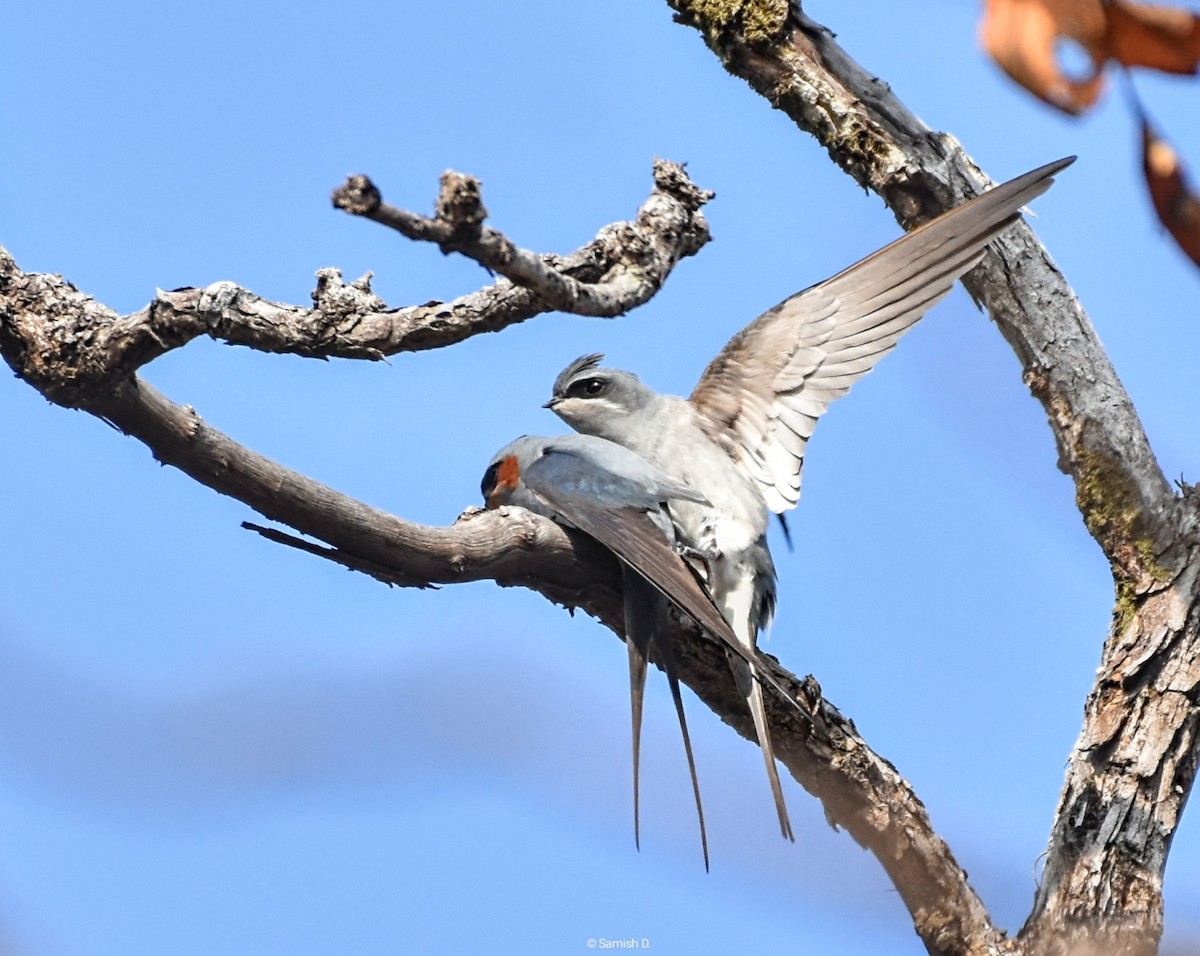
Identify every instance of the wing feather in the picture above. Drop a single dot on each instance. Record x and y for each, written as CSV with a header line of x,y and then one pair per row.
x,y
632,535
774,380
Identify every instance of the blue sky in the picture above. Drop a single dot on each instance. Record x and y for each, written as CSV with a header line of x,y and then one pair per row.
x,y
209,743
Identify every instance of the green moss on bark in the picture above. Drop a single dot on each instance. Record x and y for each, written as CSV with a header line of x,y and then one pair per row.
x,y
759,21
1112,510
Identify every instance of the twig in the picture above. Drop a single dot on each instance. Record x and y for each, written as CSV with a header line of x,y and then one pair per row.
x,y
630,281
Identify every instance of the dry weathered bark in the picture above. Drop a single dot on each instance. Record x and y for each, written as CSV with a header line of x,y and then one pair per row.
x,y
72,348
647,253
1135,761
78,353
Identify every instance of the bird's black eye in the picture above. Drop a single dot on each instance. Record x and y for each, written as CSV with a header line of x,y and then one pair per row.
x,y
588,387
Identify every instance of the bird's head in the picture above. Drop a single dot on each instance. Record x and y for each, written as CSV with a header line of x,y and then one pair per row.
x,y
598,401
501,484
500,481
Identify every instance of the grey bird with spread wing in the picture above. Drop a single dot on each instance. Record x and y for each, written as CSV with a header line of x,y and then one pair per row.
x,y
740,438
622,501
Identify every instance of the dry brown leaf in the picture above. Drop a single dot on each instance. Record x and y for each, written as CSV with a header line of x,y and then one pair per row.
x,y
1177,205
1164,38
1020,35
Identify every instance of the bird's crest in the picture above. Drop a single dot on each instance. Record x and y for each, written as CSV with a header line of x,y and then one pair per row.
x,y
581,364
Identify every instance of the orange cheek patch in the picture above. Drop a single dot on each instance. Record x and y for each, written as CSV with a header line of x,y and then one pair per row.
x,y
507,476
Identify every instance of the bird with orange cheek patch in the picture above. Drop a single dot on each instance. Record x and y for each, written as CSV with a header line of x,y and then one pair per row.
x,y
624,503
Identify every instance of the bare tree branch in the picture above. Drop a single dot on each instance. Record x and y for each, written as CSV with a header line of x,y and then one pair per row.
x,y
860,790
86,347
337,556
1136,757
649,253
1135,762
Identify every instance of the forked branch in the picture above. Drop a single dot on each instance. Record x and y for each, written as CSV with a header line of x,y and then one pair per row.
x,y
71,348
669,227
79,353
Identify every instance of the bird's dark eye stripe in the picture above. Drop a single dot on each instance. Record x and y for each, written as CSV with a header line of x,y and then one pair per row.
x,y
589,387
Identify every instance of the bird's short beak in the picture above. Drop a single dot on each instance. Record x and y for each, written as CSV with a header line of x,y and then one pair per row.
x,y
550,404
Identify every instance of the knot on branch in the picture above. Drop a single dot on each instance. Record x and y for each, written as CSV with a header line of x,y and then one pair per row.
x,y
357,196
214,298
217,310
48,334
337,299
669,226
672,179
460,206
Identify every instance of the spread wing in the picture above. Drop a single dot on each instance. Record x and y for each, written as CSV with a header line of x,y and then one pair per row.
x,y
768,387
